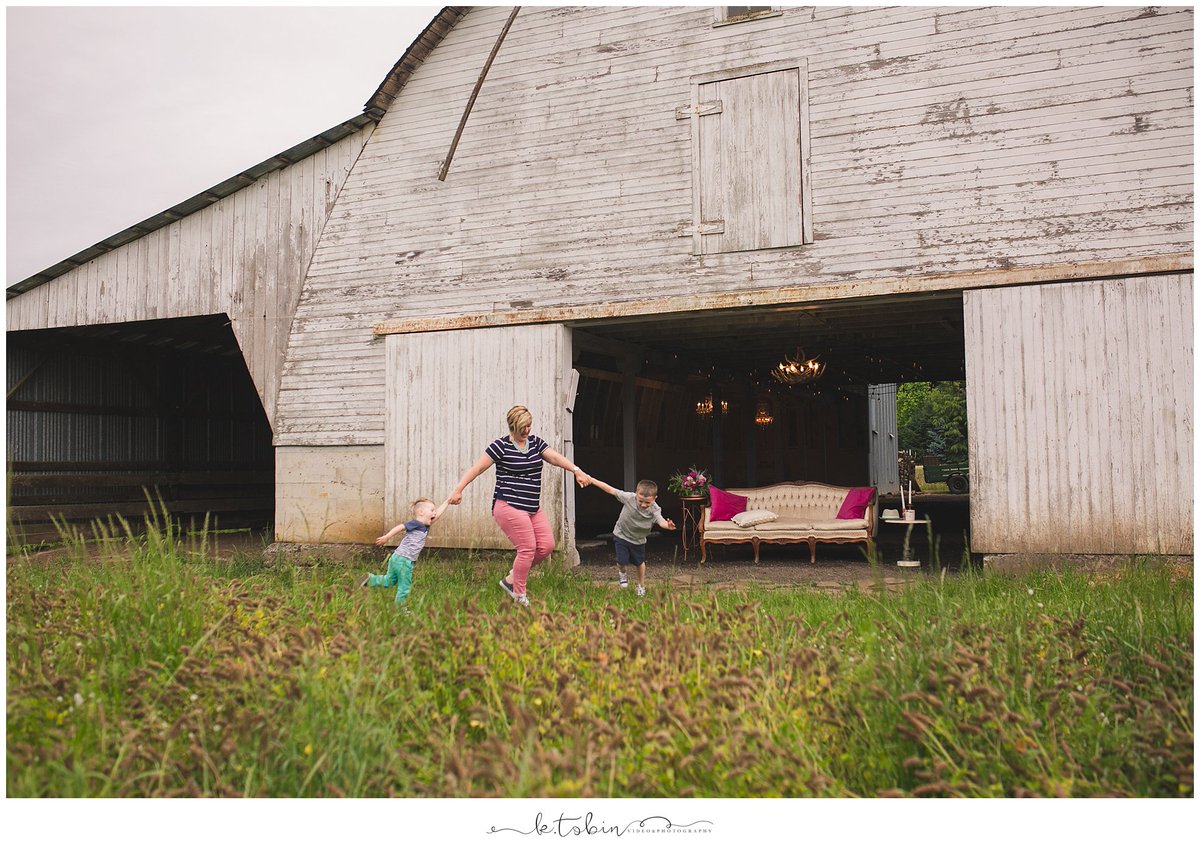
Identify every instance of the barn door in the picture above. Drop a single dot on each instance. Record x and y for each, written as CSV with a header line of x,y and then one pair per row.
x,y
885,474
750,158
447,395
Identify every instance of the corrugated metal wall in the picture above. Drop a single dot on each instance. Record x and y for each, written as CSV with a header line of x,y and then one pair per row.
x,y
88,426
1080,402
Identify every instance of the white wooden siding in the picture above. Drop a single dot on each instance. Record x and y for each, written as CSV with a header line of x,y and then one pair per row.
x,y
447,396
245,256
943,141
1079,398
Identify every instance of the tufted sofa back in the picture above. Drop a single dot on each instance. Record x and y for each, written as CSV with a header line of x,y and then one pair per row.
x,y
800,500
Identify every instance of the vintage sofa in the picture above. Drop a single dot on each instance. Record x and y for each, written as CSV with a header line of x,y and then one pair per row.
x,y
807,514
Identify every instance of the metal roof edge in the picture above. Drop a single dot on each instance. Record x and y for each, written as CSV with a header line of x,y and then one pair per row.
x,y
197,202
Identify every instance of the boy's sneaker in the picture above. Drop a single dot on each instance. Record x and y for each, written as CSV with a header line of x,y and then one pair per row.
x,y
522,600
641,590
507,587
363,583
622,579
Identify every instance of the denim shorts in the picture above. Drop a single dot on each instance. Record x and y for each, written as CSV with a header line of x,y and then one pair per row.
x,y
629,554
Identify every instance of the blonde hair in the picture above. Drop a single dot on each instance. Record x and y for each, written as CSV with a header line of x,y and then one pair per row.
x,y
413,506
518,419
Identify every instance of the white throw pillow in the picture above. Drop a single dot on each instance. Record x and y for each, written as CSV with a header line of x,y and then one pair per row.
x,y
753,517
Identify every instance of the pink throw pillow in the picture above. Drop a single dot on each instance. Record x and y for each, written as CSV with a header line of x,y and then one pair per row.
x,y
856,503
724,505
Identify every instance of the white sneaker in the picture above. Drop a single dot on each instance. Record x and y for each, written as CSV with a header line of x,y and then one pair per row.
x,y
622,579
522,600
641,590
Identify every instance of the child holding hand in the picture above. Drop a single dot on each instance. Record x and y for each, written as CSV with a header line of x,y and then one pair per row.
x,y
639,513
400,564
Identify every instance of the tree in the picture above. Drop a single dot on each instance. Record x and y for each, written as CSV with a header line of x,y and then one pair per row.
x,y
931,419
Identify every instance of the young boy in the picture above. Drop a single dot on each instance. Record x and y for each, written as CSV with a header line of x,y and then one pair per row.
x,y
400,564
639,513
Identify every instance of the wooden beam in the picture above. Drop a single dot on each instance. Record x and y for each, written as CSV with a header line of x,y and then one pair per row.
x,y
27,376
475,93
689,303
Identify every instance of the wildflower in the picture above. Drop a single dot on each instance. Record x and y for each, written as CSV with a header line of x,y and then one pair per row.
x,y
1029,590
78,699
308,749
194,697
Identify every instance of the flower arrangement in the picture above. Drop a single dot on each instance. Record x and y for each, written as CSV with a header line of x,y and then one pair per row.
x,y
692,483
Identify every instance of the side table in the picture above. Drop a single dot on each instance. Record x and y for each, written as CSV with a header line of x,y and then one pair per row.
x,y
689,527
908,562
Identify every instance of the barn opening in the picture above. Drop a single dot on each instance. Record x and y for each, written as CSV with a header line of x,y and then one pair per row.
x,y
759,431
101,415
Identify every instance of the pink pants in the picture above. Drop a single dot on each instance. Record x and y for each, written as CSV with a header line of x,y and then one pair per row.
x,y
532,535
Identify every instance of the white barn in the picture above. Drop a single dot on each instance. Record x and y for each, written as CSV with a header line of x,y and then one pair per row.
x,y
645,206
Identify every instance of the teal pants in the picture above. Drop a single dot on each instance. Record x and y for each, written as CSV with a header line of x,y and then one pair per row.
x,y
399,574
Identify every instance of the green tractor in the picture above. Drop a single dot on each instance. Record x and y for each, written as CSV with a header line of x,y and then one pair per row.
x,y
953,474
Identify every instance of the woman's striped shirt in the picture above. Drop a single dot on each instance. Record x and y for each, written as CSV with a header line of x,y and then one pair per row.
x,y
518,474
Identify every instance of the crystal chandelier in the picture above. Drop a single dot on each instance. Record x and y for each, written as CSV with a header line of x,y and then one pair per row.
x,y
799,370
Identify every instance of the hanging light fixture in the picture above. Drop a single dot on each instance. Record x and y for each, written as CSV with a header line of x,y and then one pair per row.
x,y
798,370
708,405
762,413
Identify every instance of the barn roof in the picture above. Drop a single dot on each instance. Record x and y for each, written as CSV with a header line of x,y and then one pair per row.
x,y
373,110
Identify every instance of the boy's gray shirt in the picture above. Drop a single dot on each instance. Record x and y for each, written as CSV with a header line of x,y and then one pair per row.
x,y
634,523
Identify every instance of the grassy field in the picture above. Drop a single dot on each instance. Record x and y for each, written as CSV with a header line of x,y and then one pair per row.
x,y
151,669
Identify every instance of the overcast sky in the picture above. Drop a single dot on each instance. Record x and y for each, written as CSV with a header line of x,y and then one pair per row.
x,y
115,114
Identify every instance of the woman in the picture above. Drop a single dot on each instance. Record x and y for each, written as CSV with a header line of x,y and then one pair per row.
x,y
516,503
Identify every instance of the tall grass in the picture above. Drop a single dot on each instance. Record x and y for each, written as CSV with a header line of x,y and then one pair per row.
x,y
142,666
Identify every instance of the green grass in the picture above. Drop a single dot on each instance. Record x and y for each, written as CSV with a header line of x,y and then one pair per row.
x,y
147,668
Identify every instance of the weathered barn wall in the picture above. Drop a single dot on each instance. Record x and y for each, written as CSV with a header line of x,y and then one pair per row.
x,y
447,396
329,494
245,255
1080,402
943,142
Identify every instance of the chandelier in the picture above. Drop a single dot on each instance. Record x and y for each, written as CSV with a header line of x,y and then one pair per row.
x,y
762,414
705,407
798,370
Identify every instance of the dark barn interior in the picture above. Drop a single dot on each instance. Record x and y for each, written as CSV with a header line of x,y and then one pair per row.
x,y
98,416
760,431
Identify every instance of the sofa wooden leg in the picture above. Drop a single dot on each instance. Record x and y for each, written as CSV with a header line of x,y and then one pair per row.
x,y
812,550
703,552
754,542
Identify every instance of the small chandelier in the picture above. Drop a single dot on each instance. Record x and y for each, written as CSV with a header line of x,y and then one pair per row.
x,y
762,414
706,406
799,370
